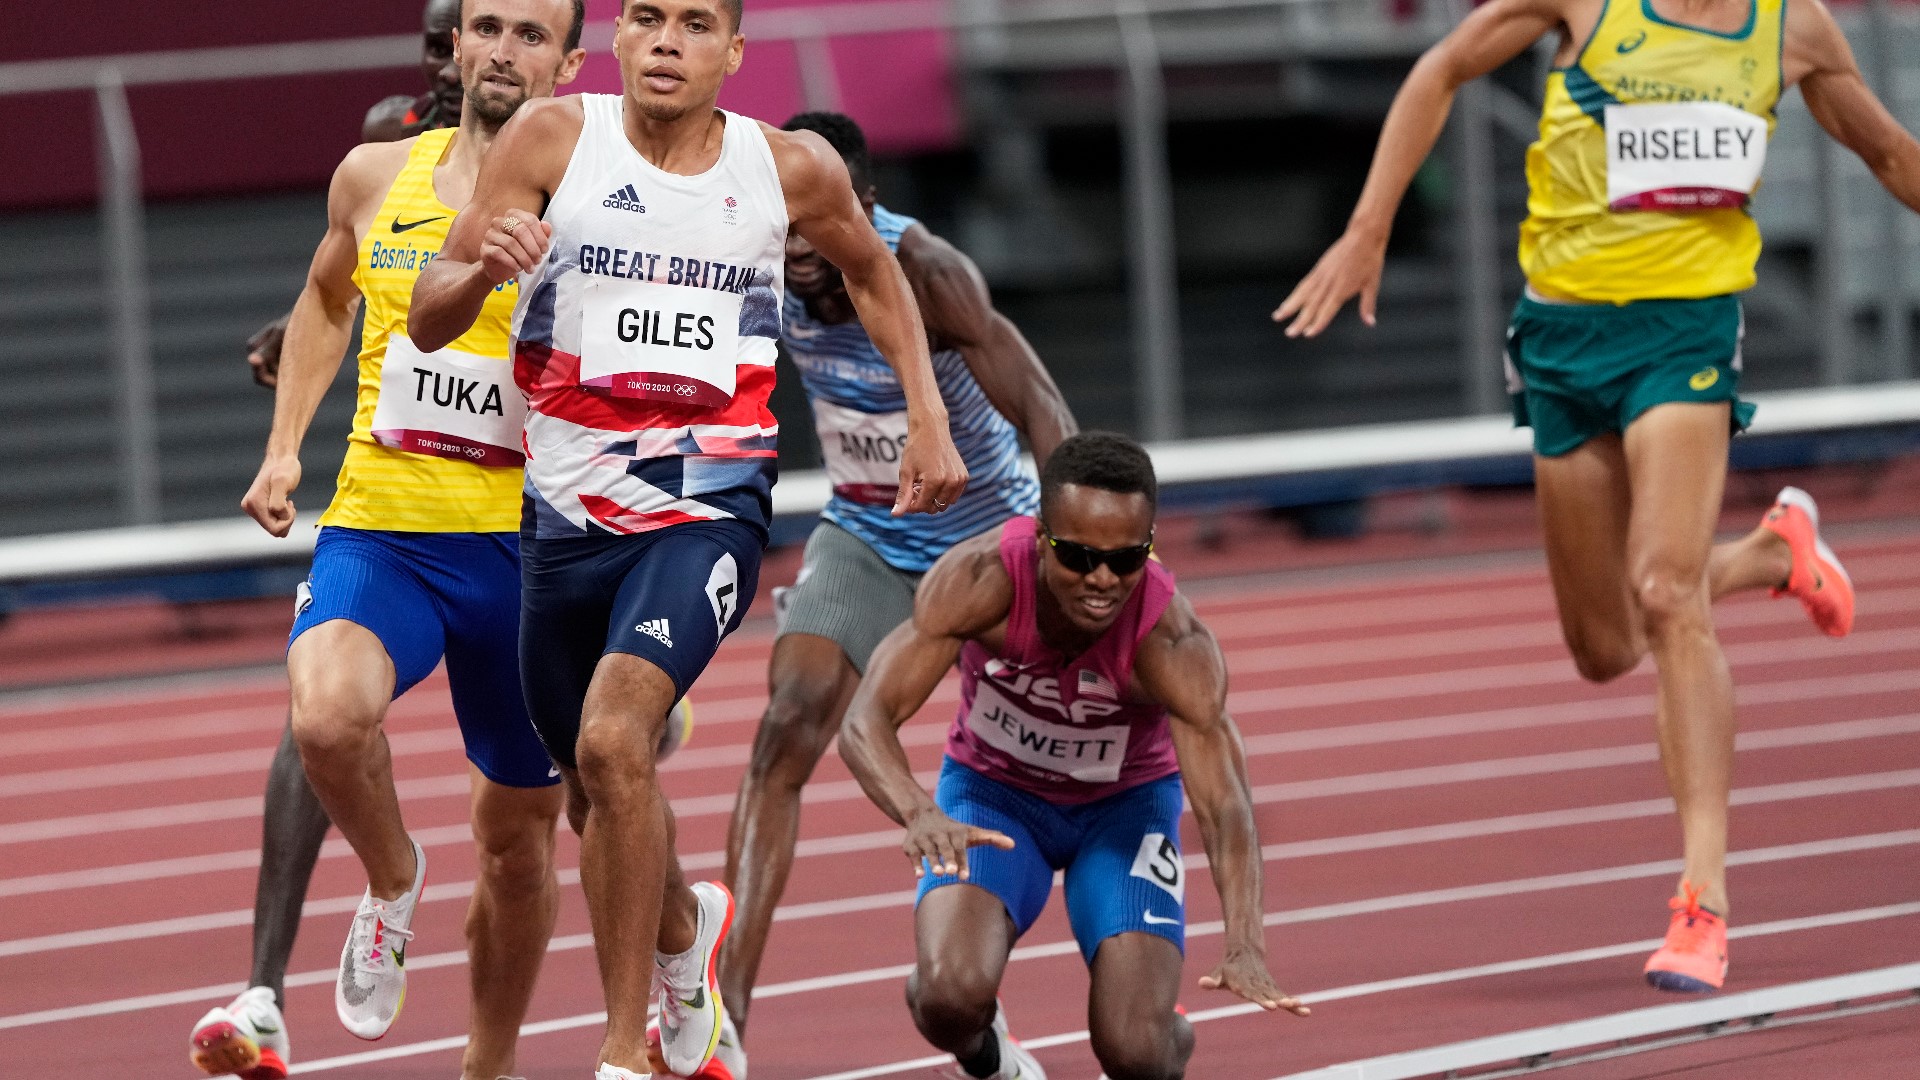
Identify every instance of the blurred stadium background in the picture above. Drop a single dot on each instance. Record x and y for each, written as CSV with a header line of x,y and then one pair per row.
x,y
1141,180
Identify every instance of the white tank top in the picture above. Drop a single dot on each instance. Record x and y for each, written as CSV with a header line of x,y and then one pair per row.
x,y
646,343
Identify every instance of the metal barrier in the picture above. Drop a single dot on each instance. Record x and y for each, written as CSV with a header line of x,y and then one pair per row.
x,y
1282,470
1537,1048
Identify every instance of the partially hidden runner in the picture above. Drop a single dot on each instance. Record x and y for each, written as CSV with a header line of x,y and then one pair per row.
x,y
1624,356
1090,691
400,116
416,559
862,563
648,232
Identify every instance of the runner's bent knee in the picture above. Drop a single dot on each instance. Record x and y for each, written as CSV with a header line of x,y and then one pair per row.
x,y
1670,600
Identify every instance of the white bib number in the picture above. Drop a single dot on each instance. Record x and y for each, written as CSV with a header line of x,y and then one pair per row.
x,y
862,451
449,404
641,339
1085,753
1696,155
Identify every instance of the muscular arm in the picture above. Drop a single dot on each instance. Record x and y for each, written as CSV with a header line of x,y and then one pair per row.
x,y
517,176
959,314
966,594
319,328
822,208
1180,665
385,122
1817,58
1493,34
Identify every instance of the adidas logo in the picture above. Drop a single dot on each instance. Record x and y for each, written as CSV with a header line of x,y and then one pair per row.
x,y
625,199
657,630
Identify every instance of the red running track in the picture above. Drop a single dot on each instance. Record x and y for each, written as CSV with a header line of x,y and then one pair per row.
x,y
1462,839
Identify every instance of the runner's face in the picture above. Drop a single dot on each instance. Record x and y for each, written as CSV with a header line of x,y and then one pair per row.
x,y
436,57
510,51
1098,519
674,54
809,275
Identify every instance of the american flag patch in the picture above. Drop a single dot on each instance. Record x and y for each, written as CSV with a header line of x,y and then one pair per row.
x,y
1093,684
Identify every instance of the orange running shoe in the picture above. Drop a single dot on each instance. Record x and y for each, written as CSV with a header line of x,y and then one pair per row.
x,y
1694,958
1817,577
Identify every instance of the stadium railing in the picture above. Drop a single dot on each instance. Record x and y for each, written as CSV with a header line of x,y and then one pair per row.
x,y
202,560
1641,1029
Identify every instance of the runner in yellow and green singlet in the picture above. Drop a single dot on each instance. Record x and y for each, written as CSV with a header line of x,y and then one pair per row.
x,y
1624,354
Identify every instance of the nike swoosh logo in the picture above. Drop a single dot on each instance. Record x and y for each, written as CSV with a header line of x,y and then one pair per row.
x,y
1156,920
264,1027
698,1001
399,228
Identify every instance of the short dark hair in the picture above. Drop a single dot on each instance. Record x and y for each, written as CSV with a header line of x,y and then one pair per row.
x,y
1099,459
845,136
734,8
579,24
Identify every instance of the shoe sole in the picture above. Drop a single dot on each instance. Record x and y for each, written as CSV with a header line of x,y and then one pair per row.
x,y
1676,983
713,978
220,1050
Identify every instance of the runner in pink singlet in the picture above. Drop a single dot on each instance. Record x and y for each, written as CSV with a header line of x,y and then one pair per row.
x,y
1090,693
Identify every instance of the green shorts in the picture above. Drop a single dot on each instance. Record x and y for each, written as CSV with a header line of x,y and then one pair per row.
x,y
1579,370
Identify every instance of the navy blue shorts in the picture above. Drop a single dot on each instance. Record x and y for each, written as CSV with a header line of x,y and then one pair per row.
x,y
428,595
1121,856
667,596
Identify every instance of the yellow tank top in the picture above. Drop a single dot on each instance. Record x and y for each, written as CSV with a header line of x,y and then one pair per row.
x,y
1635,185
382,486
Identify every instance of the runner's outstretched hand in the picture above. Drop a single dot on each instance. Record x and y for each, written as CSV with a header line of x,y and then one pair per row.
x,y
1351,267
1246,974
932,476
263,351
937,841
270,500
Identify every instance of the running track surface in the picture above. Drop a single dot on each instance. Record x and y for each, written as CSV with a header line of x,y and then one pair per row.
x,y
1462,839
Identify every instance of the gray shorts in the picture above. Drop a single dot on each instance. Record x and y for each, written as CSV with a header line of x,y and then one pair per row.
x,y
846,593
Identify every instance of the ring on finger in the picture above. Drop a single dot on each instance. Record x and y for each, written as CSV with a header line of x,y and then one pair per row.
x,y
507,225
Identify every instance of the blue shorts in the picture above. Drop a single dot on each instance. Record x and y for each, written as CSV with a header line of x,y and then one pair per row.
x,y
1121,856
668,596
425,595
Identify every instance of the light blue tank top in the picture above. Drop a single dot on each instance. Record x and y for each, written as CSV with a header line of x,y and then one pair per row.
x,y
860,415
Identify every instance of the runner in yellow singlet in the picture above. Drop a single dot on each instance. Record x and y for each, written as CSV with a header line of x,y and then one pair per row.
x,y
417,559
1624,356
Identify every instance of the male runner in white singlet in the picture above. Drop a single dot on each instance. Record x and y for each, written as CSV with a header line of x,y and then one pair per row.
x,y
648,231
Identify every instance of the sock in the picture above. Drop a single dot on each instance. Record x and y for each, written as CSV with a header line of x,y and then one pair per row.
x,y
985,1063
615,1072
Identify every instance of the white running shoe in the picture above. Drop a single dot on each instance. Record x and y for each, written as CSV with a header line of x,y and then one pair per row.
x,y
1015,1062
373,966
247,1039
678,733
615,1072
691,1015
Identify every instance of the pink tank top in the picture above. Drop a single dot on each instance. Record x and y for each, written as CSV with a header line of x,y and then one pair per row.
x,y
1069,731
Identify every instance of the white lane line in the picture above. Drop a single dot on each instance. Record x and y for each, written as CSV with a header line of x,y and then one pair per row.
x,y
749,673
900,971
1526,717
1319,695
1388,780
1374,841
1383,986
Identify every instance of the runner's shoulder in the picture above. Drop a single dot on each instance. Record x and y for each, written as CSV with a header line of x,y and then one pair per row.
x,y
388,119
968,592
369,170
806,163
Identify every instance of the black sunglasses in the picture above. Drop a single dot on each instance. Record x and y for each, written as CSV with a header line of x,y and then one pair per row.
x,y
1082,559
